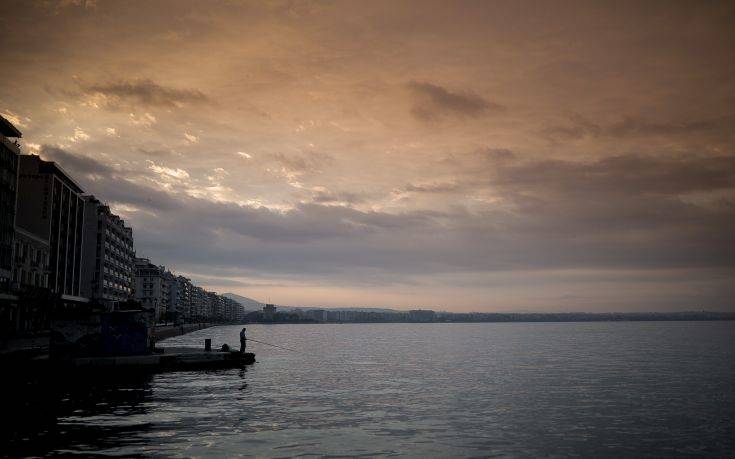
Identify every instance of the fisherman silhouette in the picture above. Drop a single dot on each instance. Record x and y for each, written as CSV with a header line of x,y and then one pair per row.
x,y
243,341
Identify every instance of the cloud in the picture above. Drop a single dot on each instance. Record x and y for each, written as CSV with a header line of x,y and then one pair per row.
x,y
33,148
584,206
620,212
146,119
108,183
74,163
324,196
302,163
176,173
631,126
16,119
144,92
615,213
633,175
433,102
578,127
218,281
158,152
61,4
79,134
431,187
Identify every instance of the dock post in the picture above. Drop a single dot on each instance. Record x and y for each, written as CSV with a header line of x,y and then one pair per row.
x,y
208,344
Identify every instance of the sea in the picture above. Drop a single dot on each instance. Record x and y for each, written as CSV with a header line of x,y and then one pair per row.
x,y
601,389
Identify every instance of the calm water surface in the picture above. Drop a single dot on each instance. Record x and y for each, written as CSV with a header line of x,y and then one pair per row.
x,y
434,390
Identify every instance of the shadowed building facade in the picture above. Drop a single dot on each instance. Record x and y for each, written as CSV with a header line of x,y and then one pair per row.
x,y
9,154
108,264
9,157
269,312
180,295
199,303
151,287
233,311
169,281
30,262
52,210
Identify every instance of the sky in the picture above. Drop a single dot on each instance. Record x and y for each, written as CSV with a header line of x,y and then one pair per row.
x,y
457,156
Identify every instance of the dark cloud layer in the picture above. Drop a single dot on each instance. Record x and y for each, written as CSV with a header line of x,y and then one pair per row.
x,y
618,212
434,102
431,187
83,165
578,127
329,197
146,93
108,184
631,175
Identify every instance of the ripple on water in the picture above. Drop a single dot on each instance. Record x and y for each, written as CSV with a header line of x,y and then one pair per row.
x,y
427,389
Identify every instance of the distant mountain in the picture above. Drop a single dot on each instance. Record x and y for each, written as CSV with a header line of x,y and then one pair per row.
x,y
248,304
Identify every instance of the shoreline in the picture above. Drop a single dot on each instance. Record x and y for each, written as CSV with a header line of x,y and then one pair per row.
x,y
34,346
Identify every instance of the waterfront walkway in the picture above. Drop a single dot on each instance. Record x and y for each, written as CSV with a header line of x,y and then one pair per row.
x,y
29,345
32,346
167,331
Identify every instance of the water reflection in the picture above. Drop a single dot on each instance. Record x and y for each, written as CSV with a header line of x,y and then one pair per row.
x,y
75,414
434,390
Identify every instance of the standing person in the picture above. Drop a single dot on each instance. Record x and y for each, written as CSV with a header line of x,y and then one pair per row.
x,y
243,341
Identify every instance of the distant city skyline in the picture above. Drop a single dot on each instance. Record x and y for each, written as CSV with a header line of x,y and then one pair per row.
x,y
454,156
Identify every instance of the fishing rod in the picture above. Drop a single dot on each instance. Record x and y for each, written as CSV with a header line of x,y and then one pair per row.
x,y
274,345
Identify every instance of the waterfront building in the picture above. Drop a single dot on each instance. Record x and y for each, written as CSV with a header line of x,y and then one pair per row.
x,y
30,262
150,287
199,301
52,209
169,281
421,315
180,297
224,306
319,315
233,310
216,307
108,268
228,309
340,316
269,312
30,311
9,158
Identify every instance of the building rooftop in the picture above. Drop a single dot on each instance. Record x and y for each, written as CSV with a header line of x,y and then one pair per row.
x,y
104,209
50,167
7,129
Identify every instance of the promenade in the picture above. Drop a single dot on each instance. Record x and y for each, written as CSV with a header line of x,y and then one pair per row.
x,y
33,346
167,331
24,346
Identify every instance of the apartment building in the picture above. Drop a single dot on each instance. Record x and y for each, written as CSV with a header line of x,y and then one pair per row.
x,y
52,210
9,159
108,268
151,288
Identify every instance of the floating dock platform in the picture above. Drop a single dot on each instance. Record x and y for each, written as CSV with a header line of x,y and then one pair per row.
x,y
161,360
165,359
